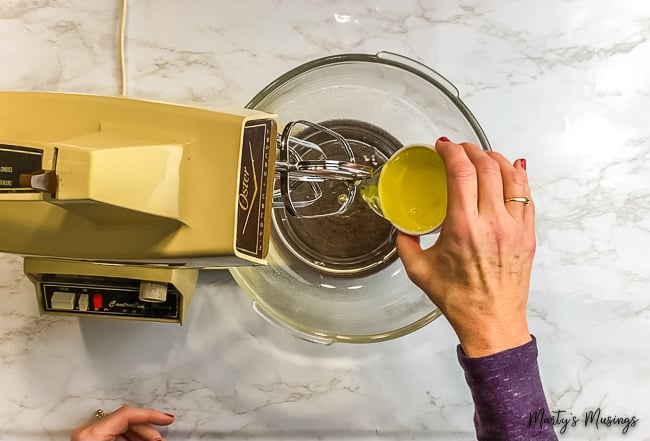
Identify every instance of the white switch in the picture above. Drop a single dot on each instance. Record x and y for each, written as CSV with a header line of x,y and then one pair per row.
x,y
155,292
83,302
62,300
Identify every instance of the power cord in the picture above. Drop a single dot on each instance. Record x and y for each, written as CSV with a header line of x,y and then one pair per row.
x,y
121,38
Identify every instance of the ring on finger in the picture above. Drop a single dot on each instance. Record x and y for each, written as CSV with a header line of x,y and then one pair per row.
x,y
99,414
523,199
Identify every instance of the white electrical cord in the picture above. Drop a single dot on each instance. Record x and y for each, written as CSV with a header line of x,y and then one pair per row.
x,y
121,38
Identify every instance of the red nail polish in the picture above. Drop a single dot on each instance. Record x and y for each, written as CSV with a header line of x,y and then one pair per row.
x,y
444,139
169,415
522,161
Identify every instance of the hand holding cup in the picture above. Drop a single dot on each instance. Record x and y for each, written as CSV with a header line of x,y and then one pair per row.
x,y
478,271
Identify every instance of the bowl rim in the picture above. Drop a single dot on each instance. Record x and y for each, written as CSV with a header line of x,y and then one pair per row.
x,y
384,58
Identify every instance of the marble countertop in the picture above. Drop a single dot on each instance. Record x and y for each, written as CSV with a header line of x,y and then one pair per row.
x,y
562,83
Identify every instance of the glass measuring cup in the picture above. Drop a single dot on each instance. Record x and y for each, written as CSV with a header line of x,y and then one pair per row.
x,y
409,190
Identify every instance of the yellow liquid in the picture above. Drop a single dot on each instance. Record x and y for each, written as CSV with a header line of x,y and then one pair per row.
x,y
412,190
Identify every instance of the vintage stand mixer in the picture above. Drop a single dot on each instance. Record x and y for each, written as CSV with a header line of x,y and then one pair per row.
x,y
116,203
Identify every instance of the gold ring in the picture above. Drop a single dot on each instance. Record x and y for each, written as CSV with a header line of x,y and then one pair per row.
x,y
99,414
523,199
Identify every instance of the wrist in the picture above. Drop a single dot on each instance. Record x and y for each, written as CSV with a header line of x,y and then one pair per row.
x,y
482,344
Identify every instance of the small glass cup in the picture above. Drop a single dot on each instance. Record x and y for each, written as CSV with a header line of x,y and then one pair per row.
x,y
409,190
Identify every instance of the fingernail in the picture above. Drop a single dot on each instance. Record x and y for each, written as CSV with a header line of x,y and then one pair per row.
x,y
522,161
169,415
444,139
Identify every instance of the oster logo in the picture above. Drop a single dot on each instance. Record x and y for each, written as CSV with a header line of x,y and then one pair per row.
x,y
252,191
248,185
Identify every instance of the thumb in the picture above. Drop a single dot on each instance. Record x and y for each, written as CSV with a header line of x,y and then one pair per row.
x,y
409,250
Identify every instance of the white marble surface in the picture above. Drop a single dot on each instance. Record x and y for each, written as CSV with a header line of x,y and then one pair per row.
x,y
562,83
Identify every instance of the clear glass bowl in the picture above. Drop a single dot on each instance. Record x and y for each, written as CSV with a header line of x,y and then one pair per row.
x,y
412,104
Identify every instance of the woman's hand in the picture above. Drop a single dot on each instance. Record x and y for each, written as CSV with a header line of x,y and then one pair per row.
x,y
478,271
131,423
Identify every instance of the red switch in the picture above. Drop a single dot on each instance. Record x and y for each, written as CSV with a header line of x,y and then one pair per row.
x,y
98,301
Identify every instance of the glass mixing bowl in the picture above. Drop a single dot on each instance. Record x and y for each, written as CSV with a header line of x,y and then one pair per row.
x,y
339,278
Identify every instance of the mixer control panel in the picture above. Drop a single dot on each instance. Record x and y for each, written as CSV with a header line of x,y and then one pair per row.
x,y
107,296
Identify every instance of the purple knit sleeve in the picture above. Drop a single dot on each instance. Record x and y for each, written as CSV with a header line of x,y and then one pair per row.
x,y
508,396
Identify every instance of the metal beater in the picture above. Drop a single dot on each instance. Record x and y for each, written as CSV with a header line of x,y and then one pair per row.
x,y
292,170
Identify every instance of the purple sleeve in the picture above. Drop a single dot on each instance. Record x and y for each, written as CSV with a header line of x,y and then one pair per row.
x,y
508,396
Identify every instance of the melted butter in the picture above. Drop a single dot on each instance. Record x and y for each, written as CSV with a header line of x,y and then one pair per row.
x,y
412,190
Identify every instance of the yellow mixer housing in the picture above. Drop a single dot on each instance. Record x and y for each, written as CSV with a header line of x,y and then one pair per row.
x,y
94,183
